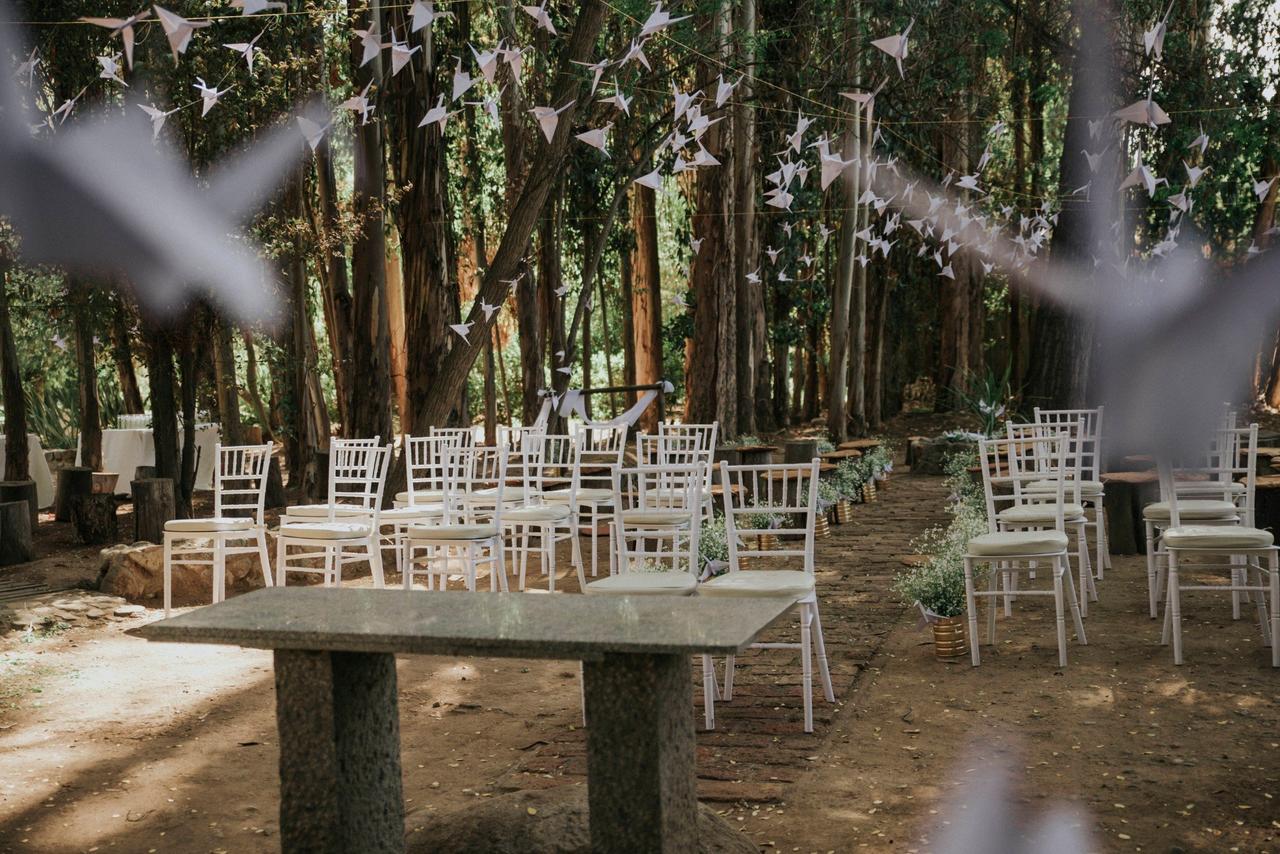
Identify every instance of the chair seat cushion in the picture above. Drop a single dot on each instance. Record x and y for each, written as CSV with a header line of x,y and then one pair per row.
x,y
324,530
656,518
412,513
1216,537
423,496
321,511
1018,543
540,513
1038,514
1087,487
587,495
452,532
760,582
1215,488
510,495
208,526
1190,510
645,584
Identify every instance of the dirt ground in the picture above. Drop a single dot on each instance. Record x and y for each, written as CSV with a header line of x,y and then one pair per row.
x,y
109,742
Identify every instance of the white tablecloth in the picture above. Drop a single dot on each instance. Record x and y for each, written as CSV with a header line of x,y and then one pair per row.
x,y
39,468
124,450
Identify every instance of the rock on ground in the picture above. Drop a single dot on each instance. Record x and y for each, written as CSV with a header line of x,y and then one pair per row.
x,y
136,571
537,821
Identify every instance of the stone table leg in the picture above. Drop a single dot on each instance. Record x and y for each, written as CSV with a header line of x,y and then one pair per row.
x,y
339,726
640,749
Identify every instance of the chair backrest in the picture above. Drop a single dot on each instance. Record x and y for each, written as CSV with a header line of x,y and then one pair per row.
x,y
1090,421
464,436
556,466
1003,463
1035,457
433,464
520,439
240,480
357,474
704,433
1229,457
658,488
600,452
780,499
483,486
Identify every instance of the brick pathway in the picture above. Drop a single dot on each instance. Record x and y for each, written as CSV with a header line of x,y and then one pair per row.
x,y
759,746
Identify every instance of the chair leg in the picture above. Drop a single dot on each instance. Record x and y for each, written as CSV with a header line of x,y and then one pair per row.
x,y
730,662
972,607
262,556
1239,578
1059,620
1174,616
1074,603
1007,579
375,560
1259,601
991,607
168,574
1273,570
1151,570
548,541
219,569
806,664
708,698
282,551
824,669
1099,540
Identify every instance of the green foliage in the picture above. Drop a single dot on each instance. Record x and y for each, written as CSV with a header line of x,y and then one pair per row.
x,y
989,396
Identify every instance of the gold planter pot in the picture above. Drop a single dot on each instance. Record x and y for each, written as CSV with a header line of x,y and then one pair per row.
x,y
949,638
821,526
844,511
767,542
869,491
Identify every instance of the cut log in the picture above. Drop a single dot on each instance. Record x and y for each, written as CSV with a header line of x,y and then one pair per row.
x,y
16,545
144,473
72,481
22,490
94,517
799,450
154,503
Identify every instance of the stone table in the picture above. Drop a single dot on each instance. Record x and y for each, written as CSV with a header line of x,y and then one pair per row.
x,y
338,718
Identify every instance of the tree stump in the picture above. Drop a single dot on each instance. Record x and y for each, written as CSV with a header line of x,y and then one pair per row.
x,y
275,496
22,490
144,473
154,503
799,450
16,545
94,517
1127,492
72,481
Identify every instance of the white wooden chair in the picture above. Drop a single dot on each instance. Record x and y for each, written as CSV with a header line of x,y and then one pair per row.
x,y
469,533
599,456
1007,552
1031,504
681,448
1092,488
550,522
1245,546
1218,490
347,529
239,488
705,435
432,466
790,491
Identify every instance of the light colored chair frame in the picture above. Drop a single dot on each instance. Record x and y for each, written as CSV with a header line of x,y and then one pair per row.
x,y
239,485
1091,468
555,454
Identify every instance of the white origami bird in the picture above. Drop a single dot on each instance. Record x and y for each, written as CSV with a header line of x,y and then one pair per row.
x,y
597,137
658,19
695,243
1261,188
124,28
619,100
1094,160
27,68
158,117
209,95
866,99
462,81
1141,175
1144,112
833,167
313,131
64,109
401,53
178,30
945,271
540,17
247,49
597,71
439,114
360,103
111,69
371,39
560,292
486,61
896,46
754,276
424,14
514,58
548,118
653,180
636,52
724,91
461,329
1153,39
564,369
488,310
1201,141
253,7
1194,173
773,254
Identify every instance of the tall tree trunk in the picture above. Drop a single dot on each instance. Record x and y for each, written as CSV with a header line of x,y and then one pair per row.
x,y
745,256
251,388
838,373
626,280
122,353
16,462
371,351
646,296
164,403
337,286
228,389
90,409
189,376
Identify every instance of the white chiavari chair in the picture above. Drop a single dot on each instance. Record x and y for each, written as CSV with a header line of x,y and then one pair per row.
x,y
1006,552
239,493
549,522
599,455
469,534
1092,489
1245,547
348,528
789,491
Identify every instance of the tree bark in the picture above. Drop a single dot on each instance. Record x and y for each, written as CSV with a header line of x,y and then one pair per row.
x,y
16,461
228,388
626,278
337,286
90,411
371,352
745,257
842,290
164,409
251,387
130,391
646,296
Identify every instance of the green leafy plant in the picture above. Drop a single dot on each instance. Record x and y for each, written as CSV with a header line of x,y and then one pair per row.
x,y
713,542
989,396
850,475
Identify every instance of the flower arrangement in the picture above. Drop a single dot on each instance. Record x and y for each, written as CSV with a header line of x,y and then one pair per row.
x,y
747,441
828,495
937,584
849,477
826,446
713,549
